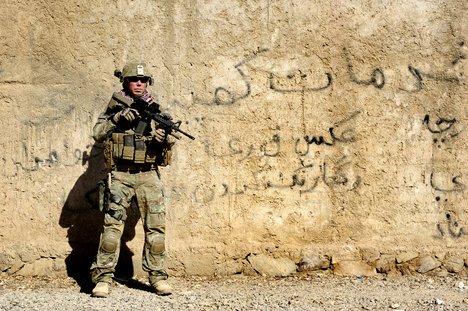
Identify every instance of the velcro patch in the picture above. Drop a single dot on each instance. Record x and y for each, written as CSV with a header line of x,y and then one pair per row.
x,y
140,70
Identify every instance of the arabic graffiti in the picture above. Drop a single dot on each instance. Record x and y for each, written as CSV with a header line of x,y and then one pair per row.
x,y
444,130
307,173
225,95
334,174
274,78
54,158
340,133
419,75
347,135
453,227
376,79
458,186
33,163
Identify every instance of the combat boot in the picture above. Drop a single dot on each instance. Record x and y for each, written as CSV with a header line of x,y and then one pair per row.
x,y
161,287
101,290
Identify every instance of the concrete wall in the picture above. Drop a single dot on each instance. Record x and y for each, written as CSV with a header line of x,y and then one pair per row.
x,y
329,134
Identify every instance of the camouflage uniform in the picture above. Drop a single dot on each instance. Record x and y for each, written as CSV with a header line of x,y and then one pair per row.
x,y
136,177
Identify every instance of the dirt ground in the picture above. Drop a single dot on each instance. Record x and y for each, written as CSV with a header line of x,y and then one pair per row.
x,y
317,292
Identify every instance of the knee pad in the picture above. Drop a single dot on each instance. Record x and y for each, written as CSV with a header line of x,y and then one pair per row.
x,y
110,241
157,243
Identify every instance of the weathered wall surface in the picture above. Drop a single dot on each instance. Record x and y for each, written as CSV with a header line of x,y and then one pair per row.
x,y
329,134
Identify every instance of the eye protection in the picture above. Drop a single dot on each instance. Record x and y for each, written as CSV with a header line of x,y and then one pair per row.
x,y
136,79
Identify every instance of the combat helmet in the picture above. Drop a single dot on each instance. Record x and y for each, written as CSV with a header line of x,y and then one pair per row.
x,y
134,69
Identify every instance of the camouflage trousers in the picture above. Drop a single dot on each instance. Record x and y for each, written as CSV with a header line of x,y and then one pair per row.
x,y
147,188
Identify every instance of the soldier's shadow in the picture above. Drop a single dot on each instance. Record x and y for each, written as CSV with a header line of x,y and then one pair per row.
x,y
81,215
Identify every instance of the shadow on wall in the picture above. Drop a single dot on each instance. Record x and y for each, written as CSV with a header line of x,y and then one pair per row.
x,y
81,215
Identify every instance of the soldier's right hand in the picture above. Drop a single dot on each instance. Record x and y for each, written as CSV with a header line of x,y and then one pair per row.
x,y
127,114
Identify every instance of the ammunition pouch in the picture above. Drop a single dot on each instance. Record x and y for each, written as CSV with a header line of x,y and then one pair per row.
x,y
137,149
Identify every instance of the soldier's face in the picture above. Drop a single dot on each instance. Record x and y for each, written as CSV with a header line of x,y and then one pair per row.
x,y
137,86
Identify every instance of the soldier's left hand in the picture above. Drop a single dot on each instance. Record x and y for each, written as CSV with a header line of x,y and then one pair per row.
x,y
159,134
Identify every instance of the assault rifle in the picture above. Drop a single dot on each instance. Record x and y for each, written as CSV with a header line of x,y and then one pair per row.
x,y
152,112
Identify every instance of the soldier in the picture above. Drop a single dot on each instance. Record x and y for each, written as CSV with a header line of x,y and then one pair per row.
x,y
134,151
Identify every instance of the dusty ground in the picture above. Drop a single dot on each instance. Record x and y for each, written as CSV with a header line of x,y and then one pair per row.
x,y
318,292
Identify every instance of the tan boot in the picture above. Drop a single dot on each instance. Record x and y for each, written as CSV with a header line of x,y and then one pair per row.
x,y
162,288
101,290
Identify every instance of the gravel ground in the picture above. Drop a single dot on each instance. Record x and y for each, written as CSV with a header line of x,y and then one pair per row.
x,y
318,292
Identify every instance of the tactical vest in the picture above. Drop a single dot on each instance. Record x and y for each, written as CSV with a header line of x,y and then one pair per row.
x,y
125,149
131,149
